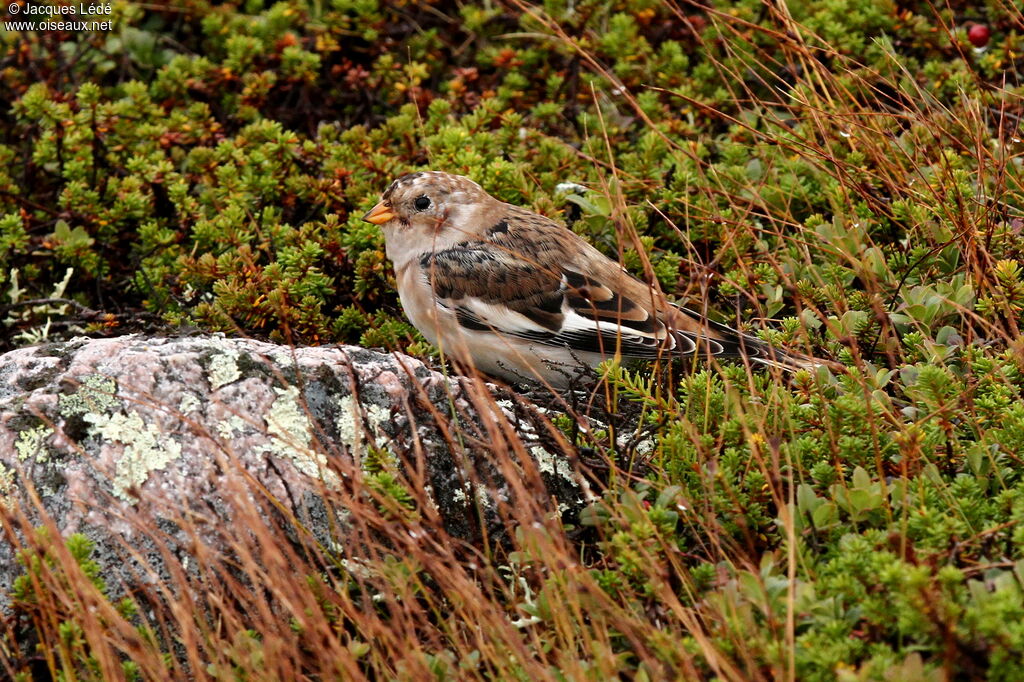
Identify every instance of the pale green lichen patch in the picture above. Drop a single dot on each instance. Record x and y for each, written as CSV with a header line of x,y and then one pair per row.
x,y
552,464
6,486
146,449
223,369
31,443
283,358
96,393
291,436
350,427
547,462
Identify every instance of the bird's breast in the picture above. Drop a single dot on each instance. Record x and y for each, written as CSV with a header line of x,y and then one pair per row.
x,y
418,300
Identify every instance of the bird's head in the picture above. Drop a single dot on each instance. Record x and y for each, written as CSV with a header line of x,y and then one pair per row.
x,y
427,201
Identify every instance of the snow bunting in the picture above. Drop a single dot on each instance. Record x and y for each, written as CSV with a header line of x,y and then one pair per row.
x,y
519,296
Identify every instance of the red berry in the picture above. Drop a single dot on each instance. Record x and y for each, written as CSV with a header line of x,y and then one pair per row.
x,y
979,35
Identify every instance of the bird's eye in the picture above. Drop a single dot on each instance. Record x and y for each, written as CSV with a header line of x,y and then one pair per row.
x,y
421,203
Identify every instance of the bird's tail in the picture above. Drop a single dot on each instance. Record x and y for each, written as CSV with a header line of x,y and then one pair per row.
x,y
770,356
721,341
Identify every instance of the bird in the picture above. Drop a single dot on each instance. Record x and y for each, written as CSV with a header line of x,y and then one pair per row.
x,y
521,297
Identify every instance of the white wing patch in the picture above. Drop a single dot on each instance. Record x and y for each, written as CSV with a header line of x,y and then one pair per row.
x,y
577,331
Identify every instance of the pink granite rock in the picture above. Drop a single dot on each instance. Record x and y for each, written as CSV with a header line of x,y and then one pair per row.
x,y
115,438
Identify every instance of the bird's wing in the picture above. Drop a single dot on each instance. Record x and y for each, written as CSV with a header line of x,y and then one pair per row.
x,y
527,283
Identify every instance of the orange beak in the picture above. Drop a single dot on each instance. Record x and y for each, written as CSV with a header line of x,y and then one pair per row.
x,y
379,214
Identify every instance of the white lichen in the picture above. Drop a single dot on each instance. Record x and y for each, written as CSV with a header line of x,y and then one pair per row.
x,y
645,447
549,463
233,425
570,188
223,370
189,404
483,499
428,493
146,448
359,568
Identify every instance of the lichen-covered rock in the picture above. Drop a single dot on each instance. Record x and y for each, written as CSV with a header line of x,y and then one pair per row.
x,y
117,438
